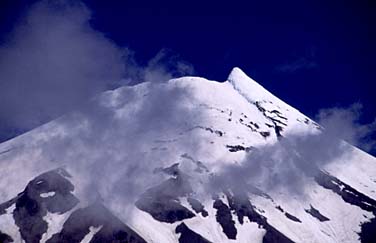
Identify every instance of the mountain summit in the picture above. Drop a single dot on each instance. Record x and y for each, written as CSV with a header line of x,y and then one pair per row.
x,y
247,86
188,160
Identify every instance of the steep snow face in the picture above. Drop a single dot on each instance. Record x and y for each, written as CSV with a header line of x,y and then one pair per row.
x,y
190,159
249,88
256,94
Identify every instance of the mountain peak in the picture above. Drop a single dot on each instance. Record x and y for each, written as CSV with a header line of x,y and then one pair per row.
x,y
248,87
236,72
190,160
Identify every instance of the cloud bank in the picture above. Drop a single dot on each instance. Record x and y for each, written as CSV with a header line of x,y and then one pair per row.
x,y
292,162
55,61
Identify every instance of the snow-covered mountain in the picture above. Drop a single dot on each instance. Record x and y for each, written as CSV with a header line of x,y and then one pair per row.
x,y
189,160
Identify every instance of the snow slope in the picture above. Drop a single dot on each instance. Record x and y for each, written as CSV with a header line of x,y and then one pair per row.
x,y
122,149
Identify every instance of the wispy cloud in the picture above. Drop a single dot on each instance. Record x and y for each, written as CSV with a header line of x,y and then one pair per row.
x,y
55,61
344,123
298,64
289,164
305,61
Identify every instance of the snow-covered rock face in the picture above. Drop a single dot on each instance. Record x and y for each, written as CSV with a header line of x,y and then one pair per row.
x,y
190,160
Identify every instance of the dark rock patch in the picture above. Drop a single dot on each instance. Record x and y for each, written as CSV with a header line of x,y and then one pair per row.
x,y
243,208
317,126
4,238
351,196
255,124
280,209
164,210
6,205
292,217
197,206
316,213
224,218
265,134
79,222
282,117
268,125
217,132
162,203
259,107
189,236
368,231
28,216
276,121
31,207
275,111
348,194
251,125
278,130
236,148
273,235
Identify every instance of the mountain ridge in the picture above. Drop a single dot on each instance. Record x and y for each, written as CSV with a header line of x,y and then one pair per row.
x,y
192,159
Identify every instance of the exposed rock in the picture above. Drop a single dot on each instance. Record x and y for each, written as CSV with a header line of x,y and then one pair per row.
x,y
292,217
211,130
278,130
4,238
316,213
162,203
236,148
280,209
224,218
31,207
79,222
6,205
275,111
255,124
268,125
243,208
368,232
277,123
348,194
189,236
265,134
197,206
351,196
164,210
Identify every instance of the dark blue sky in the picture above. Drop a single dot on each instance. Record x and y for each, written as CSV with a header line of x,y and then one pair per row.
x,y
312,54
